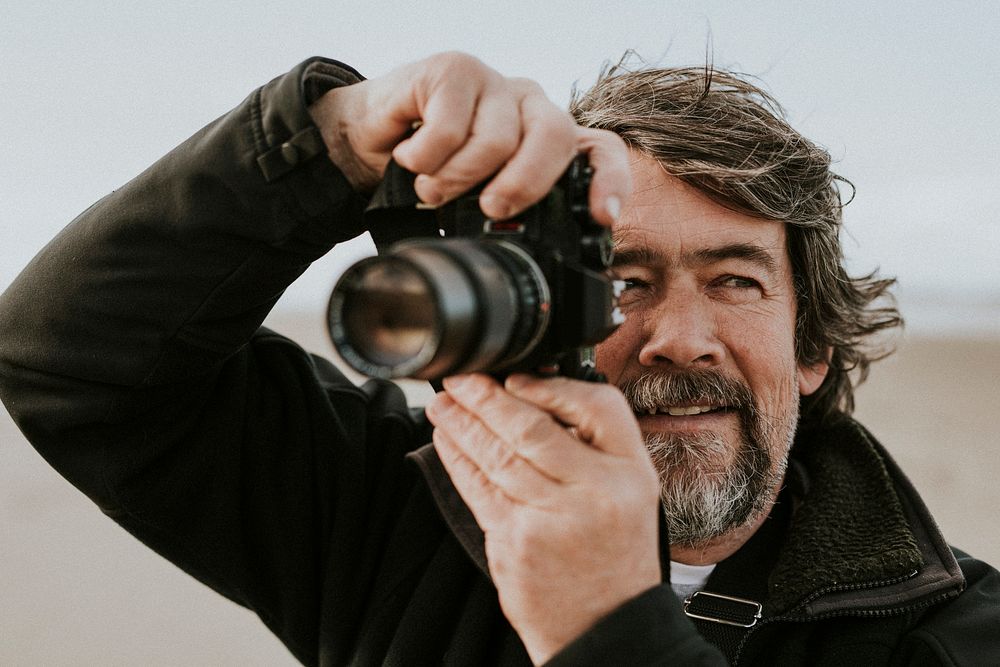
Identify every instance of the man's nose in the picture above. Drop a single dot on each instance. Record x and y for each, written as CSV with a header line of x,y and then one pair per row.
x,y
681,332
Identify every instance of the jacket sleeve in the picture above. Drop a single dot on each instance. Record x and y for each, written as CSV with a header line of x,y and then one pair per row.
x,y
963,631
647,630
128,357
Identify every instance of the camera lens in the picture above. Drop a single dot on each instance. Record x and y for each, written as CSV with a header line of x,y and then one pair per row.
x,y
389,313
428,309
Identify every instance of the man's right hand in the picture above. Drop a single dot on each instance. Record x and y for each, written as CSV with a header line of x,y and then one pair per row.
x,y
475,124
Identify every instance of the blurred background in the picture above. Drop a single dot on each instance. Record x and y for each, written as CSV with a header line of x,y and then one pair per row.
x,y
902,94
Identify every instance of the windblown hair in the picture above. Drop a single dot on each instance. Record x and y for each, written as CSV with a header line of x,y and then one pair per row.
x,y
725,136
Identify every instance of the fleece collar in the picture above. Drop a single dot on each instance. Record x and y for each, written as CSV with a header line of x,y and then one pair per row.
x,y
860,536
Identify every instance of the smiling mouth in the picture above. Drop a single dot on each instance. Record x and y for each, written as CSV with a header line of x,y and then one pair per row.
x,y
683,410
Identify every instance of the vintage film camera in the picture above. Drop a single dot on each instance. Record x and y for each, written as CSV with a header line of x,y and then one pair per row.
x,y
529,294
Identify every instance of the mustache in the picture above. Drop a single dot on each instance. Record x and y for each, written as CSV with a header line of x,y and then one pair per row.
x,y
656,389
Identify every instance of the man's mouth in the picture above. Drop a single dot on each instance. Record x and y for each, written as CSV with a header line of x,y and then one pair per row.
x,y
682,410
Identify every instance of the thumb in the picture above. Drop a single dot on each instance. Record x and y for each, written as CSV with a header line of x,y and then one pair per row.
x,y
612,182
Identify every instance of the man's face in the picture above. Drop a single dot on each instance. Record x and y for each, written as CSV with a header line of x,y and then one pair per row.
x,y
706,355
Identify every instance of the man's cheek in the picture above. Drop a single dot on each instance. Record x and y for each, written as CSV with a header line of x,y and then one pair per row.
x,y
612,355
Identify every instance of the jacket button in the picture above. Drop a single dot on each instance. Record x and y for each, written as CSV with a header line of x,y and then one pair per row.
x,y
290,153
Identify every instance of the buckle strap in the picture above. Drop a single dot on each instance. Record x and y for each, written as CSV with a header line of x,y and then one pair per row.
x,y
723,609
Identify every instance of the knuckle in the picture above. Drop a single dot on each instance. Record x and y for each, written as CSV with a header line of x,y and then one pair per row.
x,y
559,130
496,146
443,136
465,70
452,180
478,390
535,428
525,86
505,461
600,140
456,60
500,458
520,191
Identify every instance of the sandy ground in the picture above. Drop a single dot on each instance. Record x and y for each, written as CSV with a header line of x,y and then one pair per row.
x,y
76,590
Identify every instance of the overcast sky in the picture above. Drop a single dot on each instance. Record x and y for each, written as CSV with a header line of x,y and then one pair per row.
x,y
905,98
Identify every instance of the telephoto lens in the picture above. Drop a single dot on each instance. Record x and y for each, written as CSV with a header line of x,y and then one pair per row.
x,y
433,308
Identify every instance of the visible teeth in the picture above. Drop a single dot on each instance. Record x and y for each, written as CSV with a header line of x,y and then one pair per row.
x,y
680,411
692,410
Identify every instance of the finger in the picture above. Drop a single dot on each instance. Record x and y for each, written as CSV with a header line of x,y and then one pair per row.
x,y
612,181
444,91
531,432
445,126
548,144
599,412
493,138
490,453
488,504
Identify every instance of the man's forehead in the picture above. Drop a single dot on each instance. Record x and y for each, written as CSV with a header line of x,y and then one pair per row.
x,y
666,239
670,222
650,246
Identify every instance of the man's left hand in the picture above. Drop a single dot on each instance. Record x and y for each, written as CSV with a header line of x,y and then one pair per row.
x,y
556,473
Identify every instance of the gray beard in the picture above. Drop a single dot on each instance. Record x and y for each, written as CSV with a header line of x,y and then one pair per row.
x,y
704,494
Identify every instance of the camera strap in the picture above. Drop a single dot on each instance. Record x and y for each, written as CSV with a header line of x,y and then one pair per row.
x,y
395,212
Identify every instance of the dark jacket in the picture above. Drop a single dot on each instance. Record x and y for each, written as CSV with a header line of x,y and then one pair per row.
x,y
130,355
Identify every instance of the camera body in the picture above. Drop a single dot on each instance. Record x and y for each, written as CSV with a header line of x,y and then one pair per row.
x,y
527,294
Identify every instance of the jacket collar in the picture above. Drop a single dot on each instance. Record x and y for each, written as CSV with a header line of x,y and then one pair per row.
x,y
453,509
860,537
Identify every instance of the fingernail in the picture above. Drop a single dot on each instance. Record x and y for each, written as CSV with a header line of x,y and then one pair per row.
x,y
456,382
425,188
437,405
495,206
613,205
516,381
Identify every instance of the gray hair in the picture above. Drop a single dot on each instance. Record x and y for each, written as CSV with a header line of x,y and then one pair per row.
x,y
725,136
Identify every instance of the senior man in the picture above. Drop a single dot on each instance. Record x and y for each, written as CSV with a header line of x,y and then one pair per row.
x,y
538,526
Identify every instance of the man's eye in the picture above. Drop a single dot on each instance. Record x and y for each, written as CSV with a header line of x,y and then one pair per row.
x,y
739,282
633,292
634,283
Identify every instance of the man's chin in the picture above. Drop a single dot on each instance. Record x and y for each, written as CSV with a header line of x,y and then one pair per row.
x,y
713,483
699,516
692,454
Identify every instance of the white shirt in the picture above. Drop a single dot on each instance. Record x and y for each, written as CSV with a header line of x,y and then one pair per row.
x,y
687,579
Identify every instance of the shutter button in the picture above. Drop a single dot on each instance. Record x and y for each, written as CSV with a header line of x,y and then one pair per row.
x,y
290,153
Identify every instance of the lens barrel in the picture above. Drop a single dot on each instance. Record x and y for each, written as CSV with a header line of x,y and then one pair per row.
x,y
431,308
